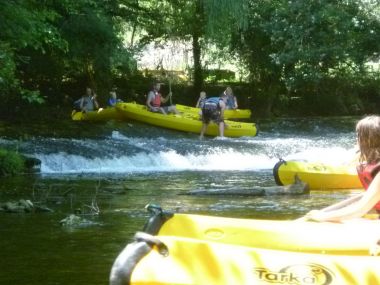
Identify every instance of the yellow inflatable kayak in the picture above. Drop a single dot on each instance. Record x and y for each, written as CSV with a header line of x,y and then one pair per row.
x,y
319,176
177,260
110,113
290,235
195,249
183,122
228,114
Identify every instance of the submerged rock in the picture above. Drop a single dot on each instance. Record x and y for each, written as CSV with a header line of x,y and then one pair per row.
x,y
22,206
297,188
76,222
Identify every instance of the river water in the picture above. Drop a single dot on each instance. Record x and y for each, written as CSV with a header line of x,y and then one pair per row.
x,y
119,167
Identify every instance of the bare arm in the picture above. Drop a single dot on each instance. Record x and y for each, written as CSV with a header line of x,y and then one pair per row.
x,y
149,99
235,101
222,108
165,99
197,105
351,208
95,101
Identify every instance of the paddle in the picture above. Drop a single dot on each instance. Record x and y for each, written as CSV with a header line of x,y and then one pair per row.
x,y
170,91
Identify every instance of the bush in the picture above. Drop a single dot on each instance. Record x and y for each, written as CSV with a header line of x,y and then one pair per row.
x,y
11,162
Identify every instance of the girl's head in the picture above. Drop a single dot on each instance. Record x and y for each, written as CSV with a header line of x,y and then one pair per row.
x,y
368,136
202,95
228,91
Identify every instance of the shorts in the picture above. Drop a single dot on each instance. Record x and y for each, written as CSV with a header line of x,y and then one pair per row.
x,y
157,109
211,112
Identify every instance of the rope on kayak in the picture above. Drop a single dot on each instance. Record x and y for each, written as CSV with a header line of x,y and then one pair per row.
x,y
131,255
152,241
276,170
157,218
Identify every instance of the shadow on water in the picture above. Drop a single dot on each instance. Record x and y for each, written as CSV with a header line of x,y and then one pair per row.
x,y
124,166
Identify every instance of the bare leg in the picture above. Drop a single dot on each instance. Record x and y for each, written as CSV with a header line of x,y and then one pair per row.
x,y
221,129
203,130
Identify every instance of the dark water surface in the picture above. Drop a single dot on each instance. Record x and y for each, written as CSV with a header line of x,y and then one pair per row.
x,y
120,167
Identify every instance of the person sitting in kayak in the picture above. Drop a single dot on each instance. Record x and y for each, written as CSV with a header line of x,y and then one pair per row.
x,y
213,110
201,100
368,139
155,99
87,102
113,98
231,103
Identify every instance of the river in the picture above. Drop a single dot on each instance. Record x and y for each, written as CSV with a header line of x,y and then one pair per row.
x,y
119,167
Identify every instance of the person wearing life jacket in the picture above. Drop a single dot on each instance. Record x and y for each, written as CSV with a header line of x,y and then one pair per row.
x,y
87,102
213,110
201,100
231,103
112,100
368,139
155,99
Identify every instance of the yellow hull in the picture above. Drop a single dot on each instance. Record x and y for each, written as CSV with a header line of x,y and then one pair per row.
x,y
319,176
183,122
228,114
299,236
191,261
195,249
110,113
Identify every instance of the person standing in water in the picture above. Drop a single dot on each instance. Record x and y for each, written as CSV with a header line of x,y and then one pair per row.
x,y
213,110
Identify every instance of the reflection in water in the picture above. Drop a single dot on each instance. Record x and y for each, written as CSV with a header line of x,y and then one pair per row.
x,y
123,167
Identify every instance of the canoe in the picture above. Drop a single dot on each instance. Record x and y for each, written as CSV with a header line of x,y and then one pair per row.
x,y
178,260
319,176
228,114
290,235
195,249
183,122
103,114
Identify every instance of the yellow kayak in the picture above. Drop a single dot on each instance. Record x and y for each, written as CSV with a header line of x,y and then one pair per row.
x,y
110,113
319,176
183,122
177,260
353,237
228,114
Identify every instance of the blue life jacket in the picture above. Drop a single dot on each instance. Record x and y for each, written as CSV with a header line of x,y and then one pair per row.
x,y
230,104
214,100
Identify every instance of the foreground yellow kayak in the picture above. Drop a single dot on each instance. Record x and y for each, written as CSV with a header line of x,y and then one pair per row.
x,y
110,113
300,236
195,249
228,114
178,260
183,122
319,176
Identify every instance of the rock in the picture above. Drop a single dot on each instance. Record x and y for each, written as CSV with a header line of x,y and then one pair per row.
x,y
22,206
76,222
297,188
32,163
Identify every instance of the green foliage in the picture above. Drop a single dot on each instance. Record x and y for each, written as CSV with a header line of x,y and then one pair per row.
x,y
11,163
311,50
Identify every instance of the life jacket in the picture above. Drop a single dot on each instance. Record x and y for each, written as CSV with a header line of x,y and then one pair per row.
x,y
156,102
230,102
367,173
212,103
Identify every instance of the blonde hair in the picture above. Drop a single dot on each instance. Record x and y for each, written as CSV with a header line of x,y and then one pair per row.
x,y
368,135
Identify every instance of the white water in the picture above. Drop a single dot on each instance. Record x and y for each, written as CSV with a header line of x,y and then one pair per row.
x,y
236,156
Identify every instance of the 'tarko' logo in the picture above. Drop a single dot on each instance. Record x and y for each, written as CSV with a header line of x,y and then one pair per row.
x,y
297,274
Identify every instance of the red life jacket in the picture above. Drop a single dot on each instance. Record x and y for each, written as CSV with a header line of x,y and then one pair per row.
x,y
156,102
367,173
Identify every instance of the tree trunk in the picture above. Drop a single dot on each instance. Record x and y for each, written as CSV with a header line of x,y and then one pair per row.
x,y
198,73
197,51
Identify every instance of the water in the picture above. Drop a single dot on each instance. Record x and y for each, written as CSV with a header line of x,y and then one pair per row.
x,y
120,167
